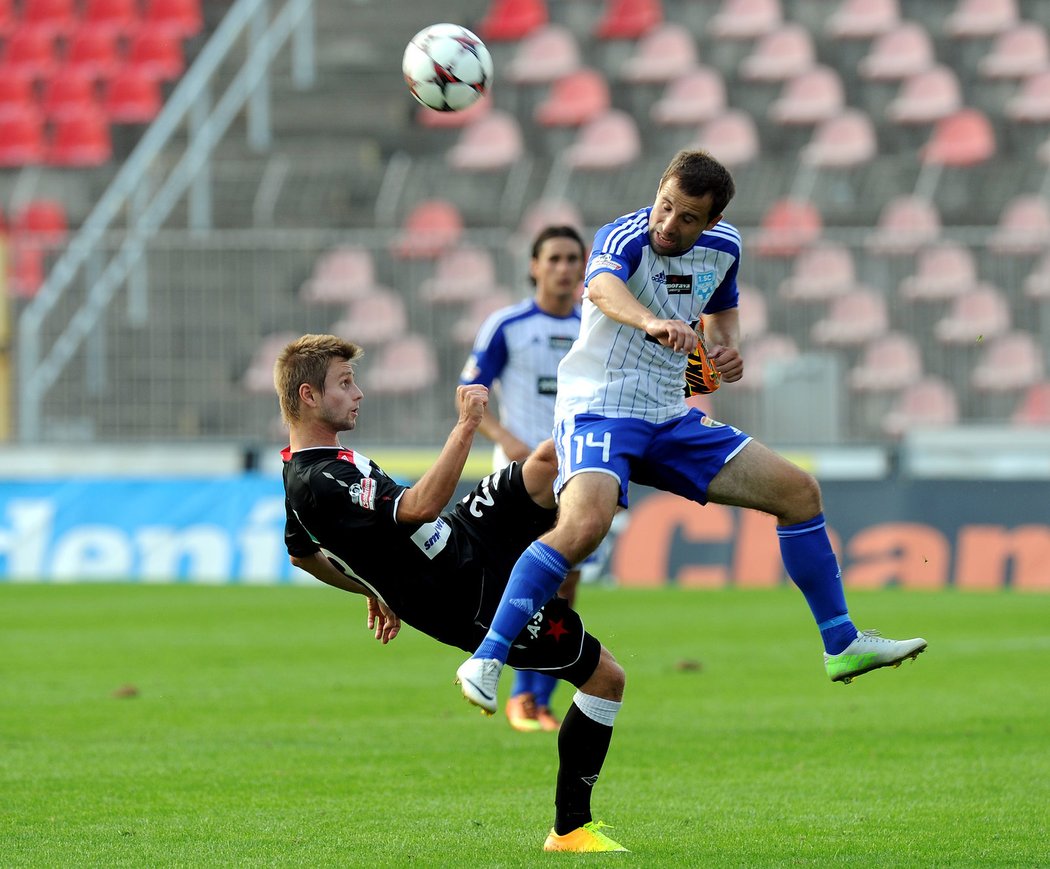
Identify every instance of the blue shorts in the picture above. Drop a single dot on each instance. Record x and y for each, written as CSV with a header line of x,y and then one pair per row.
x,y
681,456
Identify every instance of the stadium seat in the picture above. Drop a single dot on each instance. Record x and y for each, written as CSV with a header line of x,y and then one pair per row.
x,y
38,228
71,92
544,56
853,318
1037,283
461,274
511,20
22,140
465,329
157,53
548,212
609,141
965,138
820,273
1023,227
809,97
1033,409
905,225
731,137
54,18
976,315
745,19
694,98
178,19
787,227
779,55
905,50
628,19
95,52
340,276
8,18
862,19
119,17
761,351
664,53
1031,103
258,376
926,97
1009,363
133,96
1018,52
574,100
492,142
754,313
403,367
45,219
888,363
80,140
929,403
16,95
977,18
381,315
30,54
843,141
430,120
431,227
942,271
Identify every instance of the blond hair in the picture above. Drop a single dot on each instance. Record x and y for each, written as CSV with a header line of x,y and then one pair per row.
x,y
306,360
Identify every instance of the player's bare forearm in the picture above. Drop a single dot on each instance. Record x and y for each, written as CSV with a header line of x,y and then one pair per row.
x,y
722,333
495,431
613,298
320,568
424,501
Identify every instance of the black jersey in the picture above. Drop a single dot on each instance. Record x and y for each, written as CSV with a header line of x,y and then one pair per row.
x,y
433,575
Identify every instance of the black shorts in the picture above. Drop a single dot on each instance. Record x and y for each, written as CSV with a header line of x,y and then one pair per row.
x,y
554,642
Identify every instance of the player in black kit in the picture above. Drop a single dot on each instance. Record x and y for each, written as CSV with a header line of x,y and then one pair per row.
x,y
352,526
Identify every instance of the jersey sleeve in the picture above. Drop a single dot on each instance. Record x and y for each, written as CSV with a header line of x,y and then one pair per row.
x,y
489,355
727,295
618,248
296,539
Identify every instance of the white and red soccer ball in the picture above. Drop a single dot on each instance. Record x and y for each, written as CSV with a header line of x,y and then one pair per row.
x,y
447,67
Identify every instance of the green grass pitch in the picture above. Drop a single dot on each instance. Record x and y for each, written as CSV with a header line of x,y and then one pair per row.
x,y
266,728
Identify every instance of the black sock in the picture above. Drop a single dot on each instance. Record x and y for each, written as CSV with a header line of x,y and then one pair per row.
x,y
582,746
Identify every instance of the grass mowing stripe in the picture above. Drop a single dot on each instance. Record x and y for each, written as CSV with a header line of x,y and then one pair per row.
x,y
270,730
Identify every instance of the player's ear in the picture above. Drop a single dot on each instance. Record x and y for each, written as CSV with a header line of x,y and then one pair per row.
x,y
714,222
308,395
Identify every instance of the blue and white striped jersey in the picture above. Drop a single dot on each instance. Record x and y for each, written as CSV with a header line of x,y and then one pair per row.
x,y
616,371
521,346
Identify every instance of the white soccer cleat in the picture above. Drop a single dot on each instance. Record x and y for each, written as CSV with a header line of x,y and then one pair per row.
x,y
869,651
478,678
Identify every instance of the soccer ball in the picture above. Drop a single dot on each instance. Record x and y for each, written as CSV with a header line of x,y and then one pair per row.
x,y
447,67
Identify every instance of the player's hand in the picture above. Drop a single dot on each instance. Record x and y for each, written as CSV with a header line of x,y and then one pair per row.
x,y
471,402
382,620
676,334
728,361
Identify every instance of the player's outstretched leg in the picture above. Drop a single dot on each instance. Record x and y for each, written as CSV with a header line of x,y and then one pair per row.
x,y
870,651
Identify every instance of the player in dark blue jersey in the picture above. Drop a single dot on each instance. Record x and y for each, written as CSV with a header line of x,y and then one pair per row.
x,y
442,571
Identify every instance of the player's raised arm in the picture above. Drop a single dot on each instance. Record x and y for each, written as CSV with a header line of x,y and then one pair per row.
x,y
613,298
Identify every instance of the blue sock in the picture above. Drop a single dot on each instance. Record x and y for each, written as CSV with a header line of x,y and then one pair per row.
x,y
533,581
542,688
523,683
812,565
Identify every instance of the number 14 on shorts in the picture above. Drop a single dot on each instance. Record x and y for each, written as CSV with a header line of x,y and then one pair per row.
x,y
590,441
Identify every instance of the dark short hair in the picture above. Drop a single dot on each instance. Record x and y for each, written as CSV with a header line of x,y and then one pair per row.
x,y
557,231
698,174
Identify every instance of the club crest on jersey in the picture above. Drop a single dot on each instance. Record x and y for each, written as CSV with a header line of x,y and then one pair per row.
x,y
364,493
679,285
704,282
602,261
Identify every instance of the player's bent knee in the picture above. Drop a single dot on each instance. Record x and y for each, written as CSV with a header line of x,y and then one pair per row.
x,y
607,680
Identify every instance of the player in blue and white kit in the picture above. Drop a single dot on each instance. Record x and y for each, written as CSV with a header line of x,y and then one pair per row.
x,y
621,415
517,351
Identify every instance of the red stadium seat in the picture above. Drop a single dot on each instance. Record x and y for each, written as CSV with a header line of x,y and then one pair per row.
x,y
1009,363
44,219
381,315
81,140
905,50
8,18
965,138
694,98
888,363
942,271
844,141
179,19
1037,284
30,54
745,19
754,313
762,351
17,95
788,227
461,274
157,53
977,18
431,227
544,56
465,329
975,316
1033,409
609,141
431,120
403,367
1031,103
72,92
863,19
853,318
574,100
50,17
258,377
926,97
731,137
905,225
22,140
809,97
664,53
119,17
38,228
820,273
1017,53
628,19
511,20
929,403
781,54
133,96
340,276
492,142
547,212
95,52
1024,226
